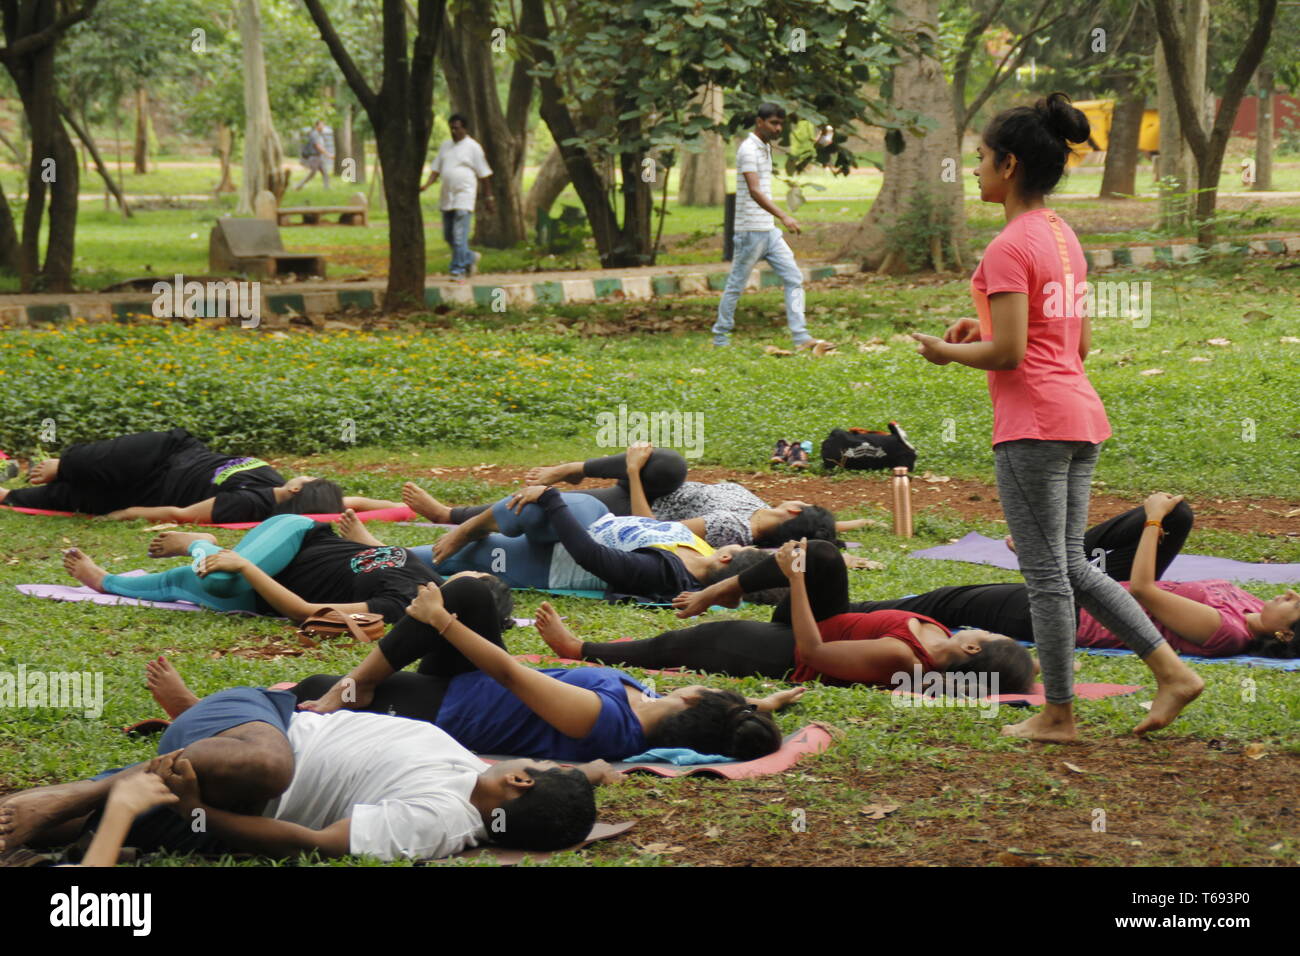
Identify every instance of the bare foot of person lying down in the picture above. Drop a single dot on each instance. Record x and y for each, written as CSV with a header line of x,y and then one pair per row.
x,y
22,815
45,472
354,529
449,544
168,688
346,694
557,637
176,544
1043,727
424,504
554,474
1171,697
80,566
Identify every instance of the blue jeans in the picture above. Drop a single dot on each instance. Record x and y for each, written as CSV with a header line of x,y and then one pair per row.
x,y
455,230
749,249
522,553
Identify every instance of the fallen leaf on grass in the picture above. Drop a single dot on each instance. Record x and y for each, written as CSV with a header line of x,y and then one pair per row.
x,y
933,478
1198,358
773,350
1255,315
1218,342
1145,704
878,811
1255,751
162,527
1152,371
660,848
1074,767
713,832
872,348
1289,340
857,563
1010,859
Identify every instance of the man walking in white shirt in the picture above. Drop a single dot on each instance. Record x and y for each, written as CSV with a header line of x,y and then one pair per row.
x,y
756,235
460,164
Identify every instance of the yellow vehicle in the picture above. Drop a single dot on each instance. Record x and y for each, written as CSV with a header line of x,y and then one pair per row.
x,y
1099,117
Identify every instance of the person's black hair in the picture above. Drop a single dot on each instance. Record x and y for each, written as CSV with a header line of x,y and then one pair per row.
x,y
555,813
814,523
465,123
768,110
1038,136
502,598
719,722
319,497
1271,646
742,561
1004,658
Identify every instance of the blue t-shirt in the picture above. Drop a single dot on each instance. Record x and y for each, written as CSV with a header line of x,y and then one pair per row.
x,y
488,719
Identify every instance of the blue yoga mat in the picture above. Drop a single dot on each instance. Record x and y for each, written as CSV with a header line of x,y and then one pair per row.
x,y
1245,660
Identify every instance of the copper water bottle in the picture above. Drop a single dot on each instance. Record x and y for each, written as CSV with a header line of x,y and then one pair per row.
x,y
901,486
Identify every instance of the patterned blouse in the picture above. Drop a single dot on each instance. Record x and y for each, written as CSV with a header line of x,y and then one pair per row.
x,y
726,508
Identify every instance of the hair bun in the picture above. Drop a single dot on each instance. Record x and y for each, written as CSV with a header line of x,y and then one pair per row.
x,y
1063,120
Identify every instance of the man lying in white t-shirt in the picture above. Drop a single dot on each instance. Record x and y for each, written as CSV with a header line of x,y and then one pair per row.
x,y
361,784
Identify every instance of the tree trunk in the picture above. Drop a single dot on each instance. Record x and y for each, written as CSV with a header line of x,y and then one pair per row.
x,y
264,166
359,153
343,141
10,252
469,71
83,134
225,143
551,179
1264,133
929,158
1119,178
1177,166
703,179
141,131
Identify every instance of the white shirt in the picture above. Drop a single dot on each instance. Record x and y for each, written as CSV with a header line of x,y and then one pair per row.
x,y
406,784
753,156
460,166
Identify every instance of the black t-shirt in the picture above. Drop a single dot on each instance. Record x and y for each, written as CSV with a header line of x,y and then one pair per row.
x,y
244,488
331,570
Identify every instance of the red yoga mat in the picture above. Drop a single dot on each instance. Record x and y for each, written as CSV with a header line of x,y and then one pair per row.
x,y
400,513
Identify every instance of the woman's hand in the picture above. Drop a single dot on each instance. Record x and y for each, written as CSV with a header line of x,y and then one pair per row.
x,y
792,558
930,348
137,792
223,560
638,453
1158,505
179,776
427,606
525,496
783,698
962,331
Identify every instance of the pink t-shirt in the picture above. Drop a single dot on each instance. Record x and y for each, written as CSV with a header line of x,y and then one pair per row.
x,y
1048,396
1232,603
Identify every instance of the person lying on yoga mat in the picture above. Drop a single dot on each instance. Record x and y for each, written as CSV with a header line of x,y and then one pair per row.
x,y
814,634
471,687
1209,618
277,782
172,476
288,564
540,538
651,483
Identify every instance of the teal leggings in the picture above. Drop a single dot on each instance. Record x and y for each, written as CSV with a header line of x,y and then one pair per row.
x,y
270,546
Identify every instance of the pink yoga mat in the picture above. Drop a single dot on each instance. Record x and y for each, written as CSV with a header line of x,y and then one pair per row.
x,y
400,513
1036,698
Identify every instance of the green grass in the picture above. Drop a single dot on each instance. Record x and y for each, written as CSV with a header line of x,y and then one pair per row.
x,y
426,395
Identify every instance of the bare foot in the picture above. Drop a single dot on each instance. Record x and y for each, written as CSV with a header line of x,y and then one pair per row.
x,y
168,688
1010,543
557,637
1171,697
1043,727
24,815
176,544
347,693
81,567
449,544
354,529
45,472
554,474
424,504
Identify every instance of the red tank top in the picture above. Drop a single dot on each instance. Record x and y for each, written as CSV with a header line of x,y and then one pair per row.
x,y
868,626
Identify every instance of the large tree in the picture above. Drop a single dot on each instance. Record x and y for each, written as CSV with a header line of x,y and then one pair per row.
x,y
264,163
32,28
1208,146
401,114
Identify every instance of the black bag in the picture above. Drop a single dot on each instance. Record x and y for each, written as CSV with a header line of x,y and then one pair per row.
x,y
858,449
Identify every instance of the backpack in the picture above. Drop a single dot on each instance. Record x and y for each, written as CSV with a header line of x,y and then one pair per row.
x,y
859,448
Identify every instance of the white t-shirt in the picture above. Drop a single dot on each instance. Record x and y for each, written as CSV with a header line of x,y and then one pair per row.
x,y
460,166
406,784
753,156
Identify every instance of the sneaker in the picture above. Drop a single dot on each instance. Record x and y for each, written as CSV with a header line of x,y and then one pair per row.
x,y
473,266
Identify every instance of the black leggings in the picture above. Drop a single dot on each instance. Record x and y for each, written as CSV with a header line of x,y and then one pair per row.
x,y
742,648
418,694
663,474
101,476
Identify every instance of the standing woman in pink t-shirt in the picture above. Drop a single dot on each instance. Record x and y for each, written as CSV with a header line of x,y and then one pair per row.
x,y
1048,423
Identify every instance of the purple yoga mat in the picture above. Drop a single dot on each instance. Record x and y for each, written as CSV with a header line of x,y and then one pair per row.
x,y
977,549
68,592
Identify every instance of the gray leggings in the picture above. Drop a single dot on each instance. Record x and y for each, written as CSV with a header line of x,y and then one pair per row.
x,y
1044,486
